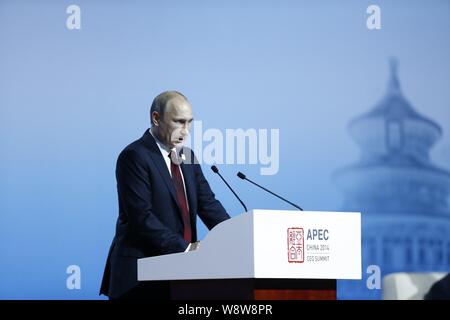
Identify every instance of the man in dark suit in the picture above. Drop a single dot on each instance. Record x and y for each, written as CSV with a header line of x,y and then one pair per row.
x,y
158,202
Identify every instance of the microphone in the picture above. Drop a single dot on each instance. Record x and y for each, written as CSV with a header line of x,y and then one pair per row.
x,y
216,170
243,177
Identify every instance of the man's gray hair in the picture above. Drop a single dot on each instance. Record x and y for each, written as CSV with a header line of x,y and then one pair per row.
x,y
159,104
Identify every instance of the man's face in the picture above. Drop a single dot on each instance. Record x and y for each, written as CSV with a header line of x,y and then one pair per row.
x,y
174,126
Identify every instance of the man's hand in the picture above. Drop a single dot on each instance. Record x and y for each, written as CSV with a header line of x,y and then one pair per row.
x,y
194,246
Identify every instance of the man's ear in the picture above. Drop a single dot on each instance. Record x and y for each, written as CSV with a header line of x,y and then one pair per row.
x,y
155,118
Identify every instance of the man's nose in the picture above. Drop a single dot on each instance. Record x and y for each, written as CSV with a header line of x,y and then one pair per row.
x,y
185,130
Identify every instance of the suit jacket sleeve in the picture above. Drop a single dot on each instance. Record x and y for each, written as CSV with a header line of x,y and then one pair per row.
x,y
135,194
210,209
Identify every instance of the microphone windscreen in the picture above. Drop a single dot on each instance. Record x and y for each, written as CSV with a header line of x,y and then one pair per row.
x,y
241,175
215,169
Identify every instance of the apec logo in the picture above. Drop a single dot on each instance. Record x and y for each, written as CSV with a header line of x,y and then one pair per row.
x,y
295,242
317,234
314,251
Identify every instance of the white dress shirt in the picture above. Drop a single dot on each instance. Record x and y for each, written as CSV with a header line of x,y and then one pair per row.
x,y
165,151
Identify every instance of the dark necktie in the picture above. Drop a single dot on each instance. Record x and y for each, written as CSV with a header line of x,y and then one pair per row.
x,y
181,196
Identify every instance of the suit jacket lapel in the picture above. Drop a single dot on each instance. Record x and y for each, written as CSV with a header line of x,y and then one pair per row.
x,y
160,164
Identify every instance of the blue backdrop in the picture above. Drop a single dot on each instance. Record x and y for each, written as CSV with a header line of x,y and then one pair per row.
x,y
71,100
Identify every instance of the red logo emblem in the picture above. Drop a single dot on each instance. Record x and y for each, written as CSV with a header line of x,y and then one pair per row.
x,y
296,245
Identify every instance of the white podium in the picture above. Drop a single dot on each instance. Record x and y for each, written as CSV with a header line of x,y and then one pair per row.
x,y
265,254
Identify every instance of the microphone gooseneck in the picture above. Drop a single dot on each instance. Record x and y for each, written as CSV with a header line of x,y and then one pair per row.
x,y
243,177
216,170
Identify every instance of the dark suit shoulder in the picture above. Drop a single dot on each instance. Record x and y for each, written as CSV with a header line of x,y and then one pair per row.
x,y
134,151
